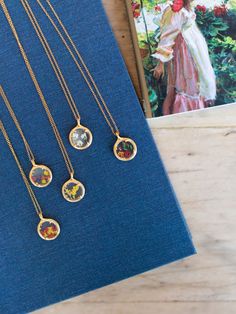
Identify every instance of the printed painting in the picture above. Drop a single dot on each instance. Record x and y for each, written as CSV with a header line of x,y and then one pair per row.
x,y
188,51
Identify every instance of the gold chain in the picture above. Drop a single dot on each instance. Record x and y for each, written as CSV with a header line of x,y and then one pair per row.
x,y
52,59
31,192
86,75
39,91
14,118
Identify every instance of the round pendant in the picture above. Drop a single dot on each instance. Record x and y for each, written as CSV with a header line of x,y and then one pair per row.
x,y
40,176
125,149
80,137
73,191
48,229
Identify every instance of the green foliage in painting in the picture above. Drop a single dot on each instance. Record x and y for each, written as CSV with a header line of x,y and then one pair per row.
x,y
222,48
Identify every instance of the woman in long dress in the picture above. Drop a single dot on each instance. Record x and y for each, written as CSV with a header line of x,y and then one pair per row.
x,y
191,79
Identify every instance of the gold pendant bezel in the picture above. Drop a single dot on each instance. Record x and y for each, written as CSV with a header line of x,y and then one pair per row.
x,y
125,139
72,180
35,166
86,130
50,220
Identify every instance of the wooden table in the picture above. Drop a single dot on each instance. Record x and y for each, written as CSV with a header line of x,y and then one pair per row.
x,y
199,151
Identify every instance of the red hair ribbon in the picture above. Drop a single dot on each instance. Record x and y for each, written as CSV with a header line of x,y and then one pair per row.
x,y
177,5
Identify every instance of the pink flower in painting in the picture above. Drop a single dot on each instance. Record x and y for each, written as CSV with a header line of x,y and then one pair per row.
x,y
135,5
136,14
201,8
135,9
157,8
220,10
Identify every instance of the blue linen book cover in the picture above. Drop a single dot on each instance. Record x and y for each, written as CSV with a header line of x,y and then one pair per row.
x,y
129,221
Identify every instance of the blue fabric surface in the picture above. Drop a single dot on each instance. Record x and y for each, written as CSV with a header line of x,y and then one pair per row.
x,y
129,221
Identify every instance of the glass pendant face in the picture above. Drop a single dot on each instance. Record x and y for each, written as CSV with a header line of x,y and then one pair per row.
x,y
73,191
125,149
48,229
40,176
80,137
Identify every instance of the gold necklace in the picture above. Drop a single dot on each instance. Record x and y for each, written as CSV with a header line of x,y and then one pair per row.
x,y
125,149
72,190
80,137
48,229
40,175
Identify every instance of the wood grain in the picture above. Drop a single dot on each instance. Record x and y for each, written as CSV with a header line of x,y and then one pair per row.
x,y
199,152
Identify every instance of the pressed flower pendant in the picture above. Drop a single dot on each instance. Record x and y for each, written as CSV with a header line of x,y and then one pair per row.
x,y
125,149
48,229
73,191
80,137
40,176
